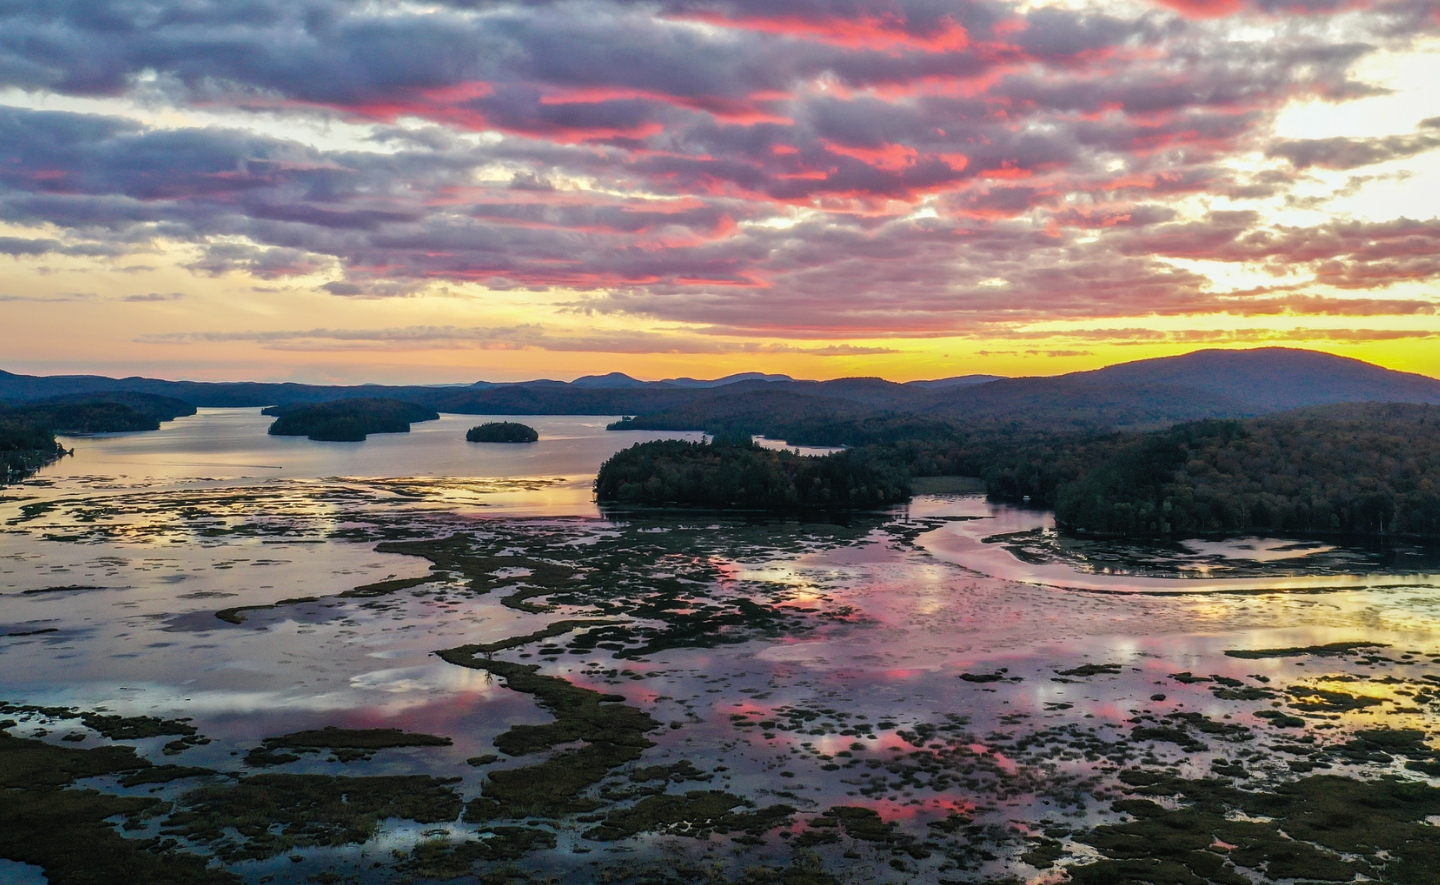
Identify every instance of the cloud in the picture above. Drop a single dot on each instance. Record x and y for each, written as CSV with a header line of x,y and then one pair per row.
x,y
93,297
51,299
807,169
1350,153
154,296
1138,336
521,337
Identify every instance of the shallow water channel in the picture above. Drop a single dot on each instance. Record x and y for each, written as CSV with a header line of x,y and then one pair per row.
x,y
947,692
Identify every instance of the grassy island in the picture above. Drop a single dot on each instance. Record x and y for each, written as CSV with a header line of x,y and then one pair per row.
x,y
502,432
737,473
349,420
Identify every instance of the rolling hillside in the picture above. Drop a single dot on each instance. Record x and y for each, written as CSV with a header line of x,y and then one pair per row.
x,y
1142,394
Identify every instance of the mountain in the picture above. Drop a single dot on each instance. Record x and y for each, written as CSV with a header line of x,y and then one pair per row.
x,y
1203,384
728,379
612,381
1273,379
957,381
1141,395
1146,393
25,388
621,381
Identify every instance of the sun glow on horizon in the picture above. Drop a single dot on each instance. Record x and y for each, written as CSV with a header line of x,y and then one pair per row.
x,y
693,192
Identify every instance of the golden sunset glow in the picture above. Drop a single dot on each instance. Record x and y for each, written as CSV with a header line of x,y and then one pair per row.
x,y
450,194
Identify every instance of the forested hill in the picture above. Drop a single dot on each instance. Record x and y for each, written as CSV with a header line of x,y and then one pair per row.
x,y
1133,396
1272,379
1366,468
1144,394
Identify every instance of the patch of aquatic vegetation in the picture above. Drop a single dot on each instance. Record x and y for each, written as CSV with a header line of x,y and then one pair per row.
x,y
71,832
816,721
450,490
643,587
613,734
265,815
696,814
62,588
346,744
1320,828
344,507
1242,558
1109,802
1085,671
113,727
442,858
640,587
1331,650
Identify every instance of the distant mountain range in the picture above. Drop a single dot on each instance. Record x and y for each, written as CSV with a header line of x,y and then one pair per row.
x,y
1207,383
621,381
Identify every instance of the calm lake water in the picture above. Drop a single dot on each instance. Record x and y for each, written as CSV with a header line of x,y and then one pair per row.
x,y
955,667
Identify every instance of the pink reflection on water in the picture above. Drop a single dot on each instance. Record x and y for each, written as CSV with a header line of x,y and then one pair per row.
x,y
895,811
972,543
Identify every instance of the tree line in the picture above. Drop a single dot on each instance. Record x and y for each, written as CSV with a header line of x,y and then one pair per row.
x,y
1360,468
734,472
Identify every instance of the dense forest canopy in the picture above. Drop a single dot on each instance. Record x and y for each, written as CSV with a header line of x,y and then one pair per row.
x,y
1365,468
348,420
160,408
502,432
25,446
105,413
1018,460
27,432
91,417
737,473
1362,468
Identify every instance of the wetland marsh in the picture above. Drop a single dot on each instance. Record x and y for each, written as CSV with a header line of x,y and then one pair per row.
x,y
231,657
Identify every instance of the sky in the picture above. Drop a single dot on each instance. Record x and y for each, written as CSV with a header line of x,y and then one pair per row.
x,y
321,190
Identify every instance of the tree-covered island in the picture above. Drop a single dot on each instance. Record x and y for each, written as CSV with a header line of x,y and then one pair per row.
x,y
502,432
27,432
737,473
347,420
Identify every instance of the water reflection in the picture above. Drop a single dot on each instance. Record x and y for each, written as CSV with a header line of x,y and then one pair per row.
x,y
231,445
928,660
1023,545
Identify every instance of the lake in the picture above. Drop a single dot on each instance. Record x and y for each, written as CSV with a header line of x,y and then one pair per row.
x,y
948,691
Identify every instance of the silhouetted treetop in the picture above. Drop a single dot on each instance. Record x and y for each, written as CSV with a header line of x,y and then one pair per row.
x,y
348,420
1363,468
502,432
737,473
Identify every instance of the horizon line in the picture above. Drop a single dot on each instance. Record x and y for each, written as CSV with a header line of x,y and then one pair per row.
x,y
458,384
